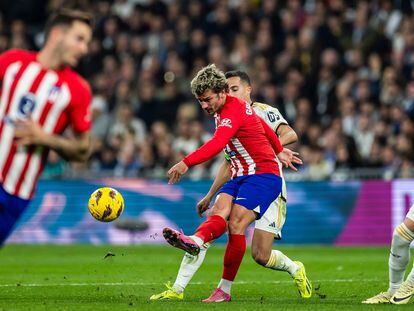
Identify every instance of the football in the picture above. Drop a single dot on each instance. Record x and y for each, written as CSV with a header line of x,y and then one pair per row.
x,y
106,204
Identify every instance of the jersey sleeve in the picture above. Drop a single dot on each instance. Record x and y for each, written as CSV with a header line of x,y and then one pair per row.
x,y
7,58
230,121
271,135
80,112
270,114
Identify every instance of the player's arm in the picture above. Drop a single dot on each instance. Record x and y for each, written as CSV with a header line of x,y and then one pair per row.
x,y
287,135
74,148
222,177
231,120
29,133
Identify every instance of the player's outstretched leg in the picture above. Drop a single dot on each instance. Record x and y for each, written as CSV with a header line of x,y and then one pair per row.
x,y
180,240
211,229
398,261
189,266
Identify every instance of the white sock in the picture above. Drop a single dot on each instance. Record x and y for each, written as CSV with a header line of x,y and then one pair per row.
x,y
225,286
281,262
189,266
197,239
399,256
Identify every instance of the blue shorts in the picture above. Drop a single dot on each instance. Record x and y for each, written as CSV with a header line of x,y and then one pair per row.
x,y
254,192
11,208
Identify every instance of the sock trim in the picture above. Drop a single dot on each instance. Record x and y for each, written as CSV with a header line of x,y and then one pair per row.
x,y
272,260
405,233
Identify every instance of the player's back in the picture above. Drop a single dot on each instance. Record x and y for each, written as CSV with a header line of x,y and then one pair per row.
x,y
51,98
250,151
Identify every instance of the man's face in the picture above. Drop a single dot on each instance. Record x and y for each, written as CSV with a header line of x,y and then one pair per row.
x,y
212,102
239,88
73,42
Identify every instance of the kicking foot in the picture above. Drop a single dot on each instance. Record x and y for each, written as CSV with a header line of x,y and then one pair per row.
x,y
180,240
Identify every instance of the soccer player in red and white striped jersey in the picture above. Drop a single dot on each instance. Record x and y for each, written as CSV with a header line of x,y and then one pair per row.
x,y
41,96
251,146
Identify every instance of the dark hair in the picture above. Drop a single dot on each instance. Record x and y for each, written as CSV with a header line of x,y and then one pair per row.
x,y
238,73
65,17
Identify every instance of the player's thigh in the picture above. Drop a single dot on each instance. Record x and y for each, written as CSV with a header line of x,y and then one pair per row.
x,y
226,194
274,218
240,219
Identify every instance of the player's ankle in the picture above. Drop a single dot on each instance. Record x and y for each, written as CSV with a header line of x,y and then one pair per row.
x,y
178,288
199,241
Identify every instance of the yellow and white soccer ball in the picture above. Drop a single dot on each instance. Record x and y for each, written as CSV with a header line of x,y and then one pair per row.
x,y
106,204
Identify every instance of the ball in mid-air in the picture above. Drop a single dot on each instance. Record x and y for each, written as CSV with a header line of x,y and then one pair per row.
x,y
106,204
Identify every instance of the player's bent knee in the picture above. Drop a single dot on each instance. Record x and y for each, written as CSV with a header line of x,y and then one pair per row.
x,y
222,210
261,256
236,226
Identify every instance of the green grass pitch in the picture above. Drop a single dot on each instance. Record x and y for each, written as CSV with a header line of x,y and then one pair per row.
x,y
79,278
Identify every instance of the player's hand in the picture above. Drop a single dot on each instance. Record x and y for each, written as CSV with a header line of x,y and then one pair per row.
x,y
289,157
175,173
203,205
28,132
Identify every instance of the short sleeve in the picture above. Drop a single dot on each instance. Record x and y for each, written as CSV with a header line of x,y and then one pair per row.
x,y
80,114
271,115
7,58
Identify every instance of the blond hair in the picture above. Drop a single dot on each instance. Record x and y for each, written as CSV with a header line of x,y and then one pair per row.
x,y
209,78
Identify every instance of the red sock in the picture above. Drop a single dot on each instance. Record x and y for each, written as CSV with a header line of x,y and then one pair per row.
x,y
212,228
233,257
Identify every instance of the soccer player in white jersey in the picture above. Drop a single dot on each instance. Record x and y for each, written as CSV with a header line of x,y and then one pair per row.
x,y
40,96
268,227
399,291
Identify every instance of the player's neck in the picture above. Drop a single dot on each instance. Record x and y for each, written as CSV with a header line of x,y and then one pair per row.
x,y
49,59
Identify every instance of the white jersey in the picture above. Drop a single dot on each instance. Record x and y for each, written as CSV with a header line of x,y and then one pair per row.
x,y
274,119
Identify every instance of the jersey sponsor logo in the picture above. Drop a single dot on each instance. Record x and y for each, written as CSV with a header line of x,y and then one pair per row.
x,y
229,153
272,116
26,106
225,122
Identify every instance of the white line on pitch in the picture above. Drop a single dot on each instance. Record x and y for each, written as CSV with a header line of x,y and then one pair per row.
x,y
193,283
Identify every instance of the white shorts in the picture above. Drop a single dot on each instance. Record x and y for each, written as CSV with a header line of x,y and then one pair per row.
x,y
273,220
410,213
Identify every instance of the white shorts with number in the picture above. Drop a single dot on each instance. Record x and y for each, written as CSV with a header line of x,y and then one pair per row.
x,y
273,220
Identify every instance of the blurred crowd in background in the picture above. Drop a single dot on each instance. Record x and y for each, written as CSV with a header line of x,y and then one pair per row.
x,y
341,72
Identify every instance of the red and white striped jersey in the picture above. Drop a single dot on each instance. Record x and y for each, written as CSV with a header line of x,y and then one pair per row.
x,y
249,143
53,98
